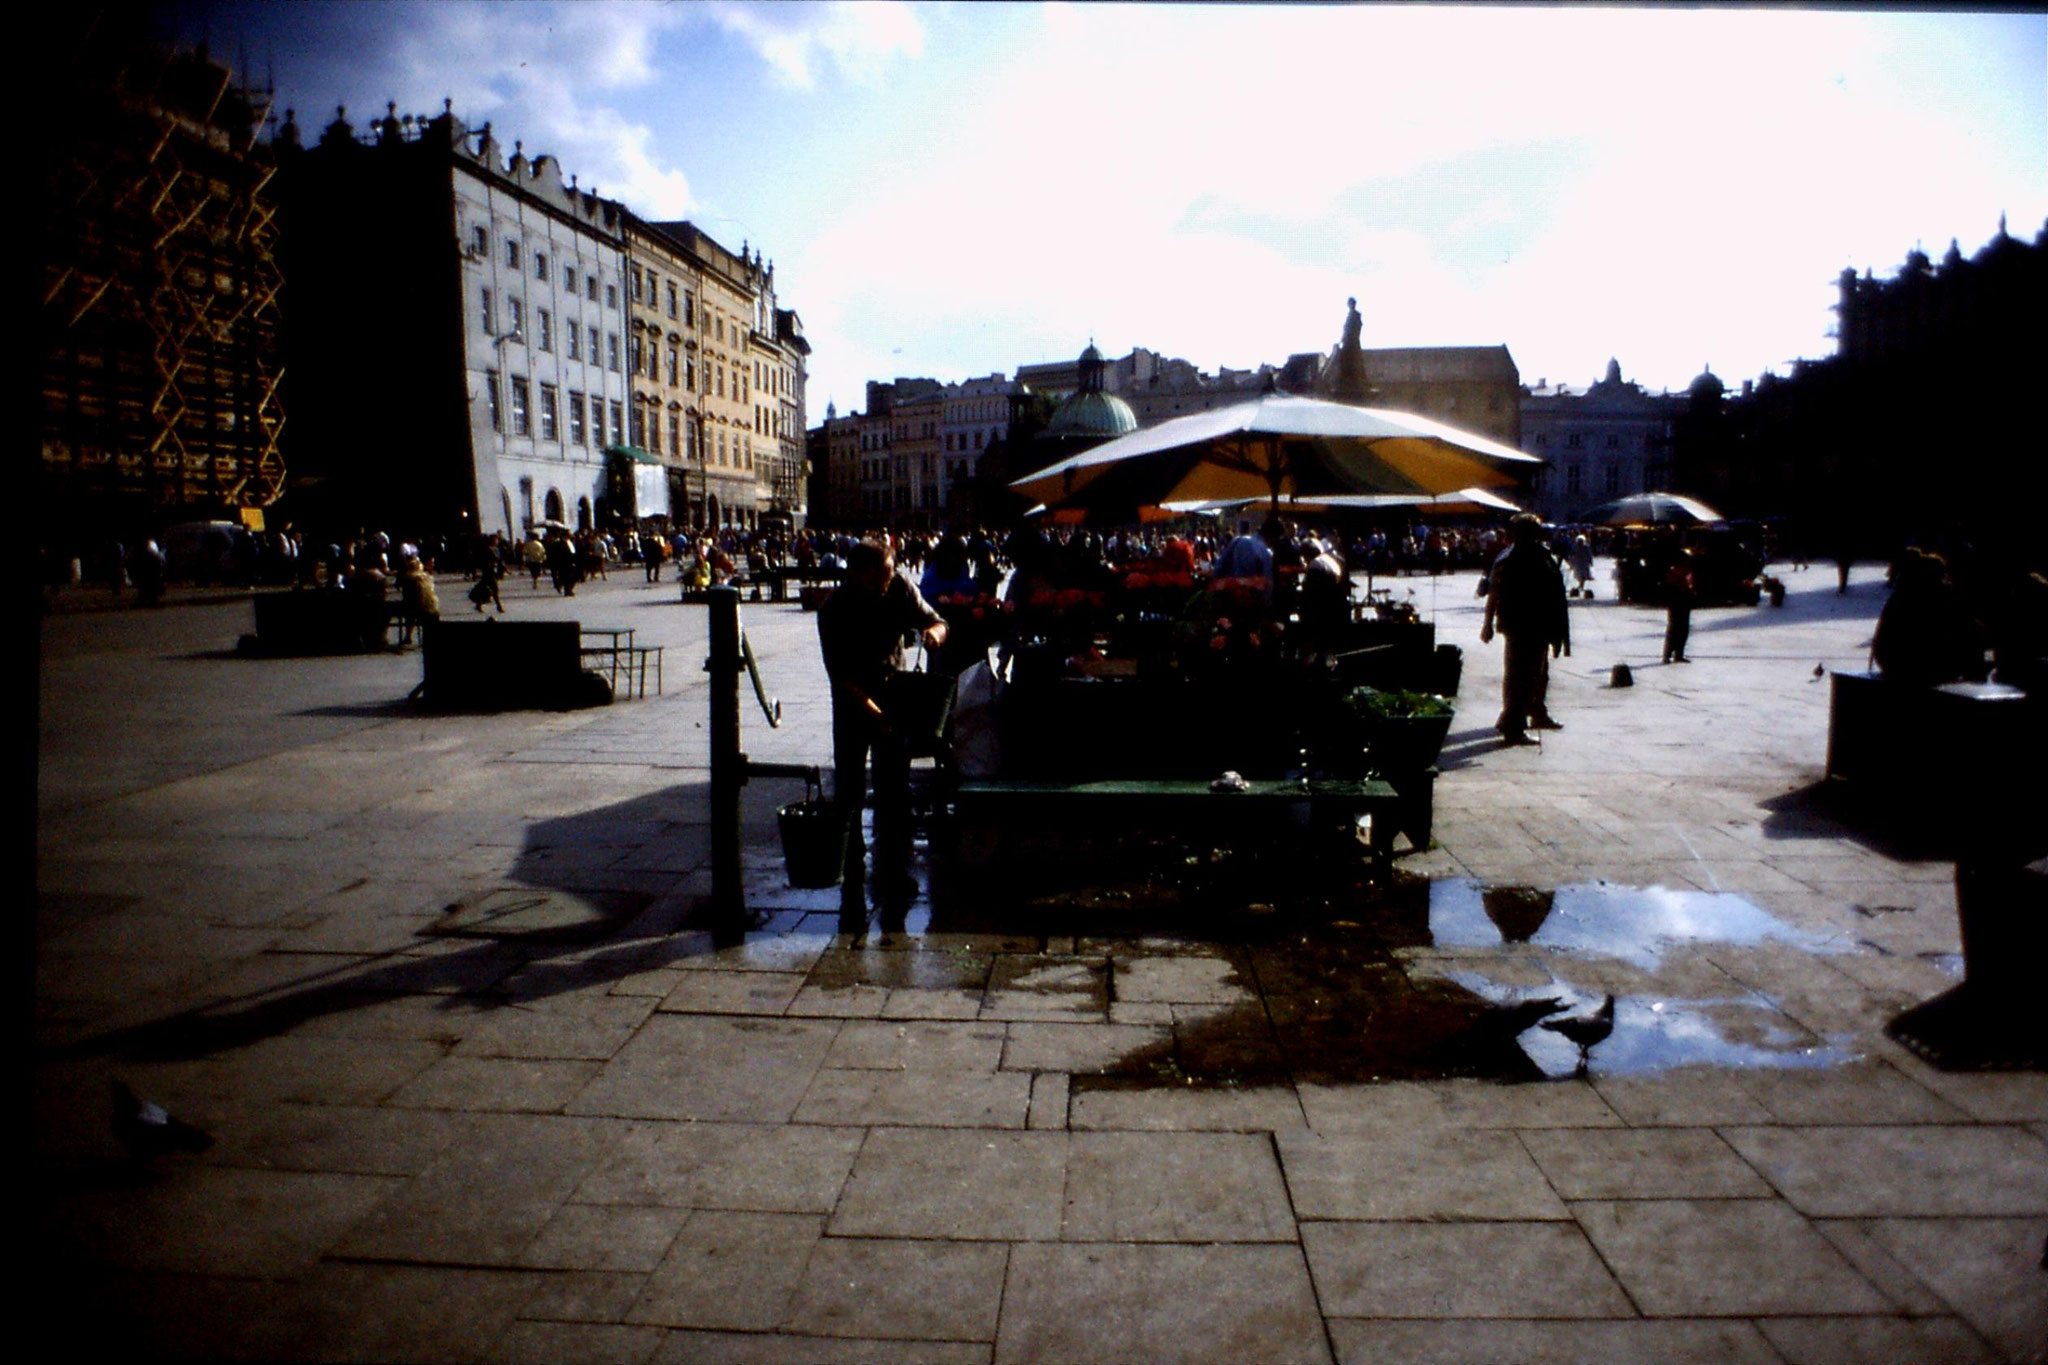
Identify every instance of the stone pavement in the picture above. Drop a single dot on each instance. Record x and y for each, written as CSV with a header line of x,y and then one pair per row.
x,y
483,1091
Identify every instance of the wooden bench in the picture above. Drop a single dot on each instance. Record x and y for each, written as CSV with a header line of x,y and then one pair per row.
x,y
492,664
1335,804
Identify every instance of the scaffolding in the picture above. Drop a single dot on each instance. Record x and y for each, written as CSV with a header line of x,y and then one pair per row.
x,y
161,320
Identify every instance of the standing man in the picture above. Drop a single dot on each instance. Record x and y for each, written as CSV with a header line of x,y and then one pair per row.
x,y
1681,591
861,629
1527,601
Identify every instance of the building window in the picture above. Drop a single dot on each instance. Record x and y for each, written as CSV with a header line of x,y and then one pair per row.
x,y
719,327
516,311
635,277
490,318
675,433
689,310
491,396
721,381
590,287
1571,478
671,367
574,336
549,427
1574,442
593,345
569,278
577,435
480,240
721,448
540,265
671,298
633,352
611,351
611,296
1614,478
618,423
639,426
1614,443
512,253
522,419
690,375
544,325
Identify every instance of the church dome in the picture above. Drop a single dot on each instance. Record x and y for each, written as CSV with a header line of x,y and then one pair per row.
x,y
1092,414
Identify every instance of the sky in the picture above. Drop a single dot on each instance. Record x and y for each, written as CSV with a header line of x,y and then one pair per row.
x,y
956,189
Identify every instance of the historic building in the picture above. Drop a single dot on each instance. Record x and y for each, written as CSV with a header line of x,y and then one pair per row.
x,y
1936,361
159,330
539,353
1606,440
459,330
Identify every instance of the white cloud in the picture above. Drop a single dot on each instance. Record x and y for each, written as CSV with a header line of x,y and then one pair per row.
x,y
857,40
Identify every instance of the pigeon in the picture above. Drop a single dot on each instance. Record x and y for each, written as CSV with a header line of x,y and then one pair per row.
x,y
1587,1030
147,1129
1819,671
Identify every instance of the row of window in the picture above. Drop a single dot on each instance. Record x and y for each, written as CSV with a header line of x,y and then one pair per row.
x,y
587,421
1575,440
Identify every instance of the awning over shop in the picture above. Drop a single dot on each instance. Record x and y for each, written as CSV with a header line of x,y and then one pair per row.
x,y
648,479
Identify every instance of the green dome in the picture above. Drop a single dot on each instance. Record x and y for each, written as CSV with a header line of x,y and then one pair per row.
x,y
1093,415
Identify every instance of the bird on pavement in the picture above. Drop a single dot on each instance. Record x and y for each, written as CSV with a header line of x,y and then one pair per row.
x,y
148,1130
1587,1030
1819,671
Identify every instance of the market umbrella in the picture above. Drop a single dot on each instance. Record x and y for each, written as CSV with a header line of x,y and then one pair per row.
x,y
1464,502
1652,509
1277,446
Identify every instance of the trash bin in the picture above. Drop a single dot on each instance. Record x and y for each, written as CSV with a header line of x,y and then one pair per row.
x,y
813,839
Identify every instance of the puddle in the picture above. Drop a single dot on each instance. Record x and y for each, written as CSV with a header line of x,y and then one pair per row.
x,y
1637,925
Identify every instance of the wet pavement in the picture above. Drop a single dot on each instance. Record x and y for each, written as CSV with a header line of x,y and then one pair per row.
x,y
486,1083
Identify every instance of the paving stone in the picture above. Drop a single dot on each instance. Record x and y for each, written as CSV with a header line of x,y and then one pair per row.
x,y
1698,1258
1459,1270
488,1196
348,1139
942,1099
1869,1093
965,1184
1857,1341
732,992
1462,1103
1987,1269
765,1168
1187,1109
1077,1047
589,1343
1668,1342
1040,986
1878,1266
1175,1187
912,1046
506,1084
1921,1170
786,1348
1433,1173
725,1070
871,1288
1181,980
629,1238
1642,1163
729,1270
1051,1093
961,971
354,1312
594,1029
1683,1097
600,1296
1112,1303
912,1003
222,1221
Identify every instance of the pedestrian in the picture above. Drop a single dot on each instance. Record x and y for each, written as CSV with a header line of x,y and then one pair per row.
x,y
534,556
1681,591
652,552
419,604
1527,603
485,589
861,629
1580,554
146,571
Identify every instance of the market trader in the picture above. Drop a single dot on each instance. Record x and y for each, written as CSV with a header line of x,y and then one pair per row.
x,y
861,630
1527,601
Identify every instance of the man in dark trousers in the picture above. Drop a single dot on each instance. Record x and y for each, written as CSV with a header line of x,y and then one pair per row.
x,y
861,630
1527,603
